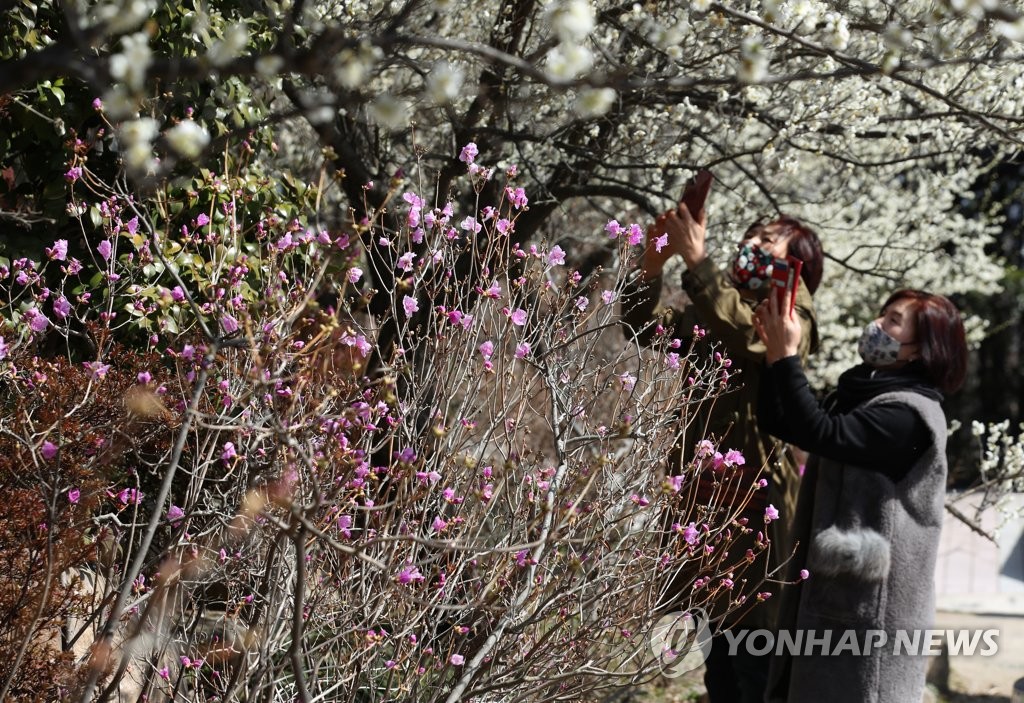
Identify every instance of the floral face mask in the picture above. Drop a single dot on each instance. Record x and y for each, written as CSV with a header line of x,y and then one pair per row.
x,y
876,346
752,267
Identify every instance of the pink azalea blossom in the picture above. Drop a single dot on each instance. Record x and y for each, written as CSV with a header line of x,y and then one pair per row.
x,y
771,513
471,225
37,321
73,174
705,448
518,317
345,525
405,261
804,574
228,453
582,302
129,496
458,660
202,220
174,514
409,574
628,380
608,297
613,228
487,349
48,450
556,257
96,369
59,251
73,495
690,533
410,305
661,242
229,323
734,457
636,235
469,153
517,196
354,274
523,350
104,248
61,307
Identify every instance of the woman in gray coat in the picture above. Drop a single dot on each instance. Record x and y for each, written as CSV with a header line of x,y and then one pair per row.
x,y
871,502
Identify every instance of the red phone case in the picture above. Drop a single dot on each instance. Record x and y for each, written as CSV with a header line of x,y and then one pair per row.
x,y
696,192
785,279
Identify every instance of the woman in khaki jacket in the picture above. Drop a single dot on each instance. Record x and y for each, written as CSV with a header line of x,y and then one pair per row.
x,y
723,304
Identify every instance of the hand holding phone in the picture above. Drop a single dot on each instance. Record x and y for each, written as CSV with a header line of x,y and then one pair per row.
x,y
695,194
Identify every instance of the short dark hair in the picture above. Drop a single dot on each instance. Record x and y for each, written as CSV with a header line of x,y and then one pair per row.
x,y
940,337
803,244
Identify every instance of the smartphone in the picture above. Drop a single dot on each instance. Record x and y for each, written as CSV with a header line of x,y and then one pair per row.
x,y
785,280
696,193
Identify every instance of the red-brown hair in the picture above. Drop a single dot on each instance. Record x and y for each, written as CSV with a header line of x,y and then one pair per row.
x,y
940,337
803,244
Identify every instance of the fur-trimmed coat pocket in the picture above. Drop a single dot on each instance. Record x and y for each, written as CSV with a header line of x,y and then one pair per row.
x,y
848,572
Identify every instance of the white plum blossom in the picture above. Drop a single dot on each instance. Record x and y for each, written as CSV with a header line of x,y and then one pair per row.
x,y
143,129
754,60
136,139
837,31
389,112
269,66
668,35
130,65
230,46
444,82
352,67
572,20
1014,31
594,102
566,61
119,102
120,17
188,138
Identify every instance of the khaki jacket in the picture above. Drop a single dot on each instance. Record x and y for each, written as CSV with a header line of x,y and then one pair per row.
x,y
727,316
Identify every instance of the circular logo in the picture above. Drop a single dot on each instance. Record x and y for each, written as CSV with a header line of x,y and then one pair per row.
x,y
681,641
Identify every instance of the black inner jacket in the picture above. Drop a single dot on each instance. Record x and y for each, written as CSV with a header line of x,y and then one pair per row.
x,y
888,438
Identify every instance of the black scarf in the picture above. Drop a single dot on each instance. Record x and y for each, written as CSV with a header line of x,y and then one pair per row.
x,y
864,382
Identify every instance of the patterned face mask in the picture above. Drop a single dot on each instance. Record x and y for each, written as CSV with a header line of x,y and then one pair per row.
x,y
752,267
876,346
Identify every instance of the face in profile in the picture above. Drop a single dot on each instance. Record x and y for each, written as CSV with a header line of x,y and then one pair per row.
x,y
899,321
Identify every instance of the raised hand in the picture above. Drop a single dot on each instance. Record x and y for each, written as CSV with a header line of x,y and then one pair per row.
x,y
779,330
687,235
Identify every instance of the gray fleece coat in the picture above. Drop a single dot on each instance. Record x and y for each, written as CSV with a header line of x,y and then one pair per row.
x,y
870,546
